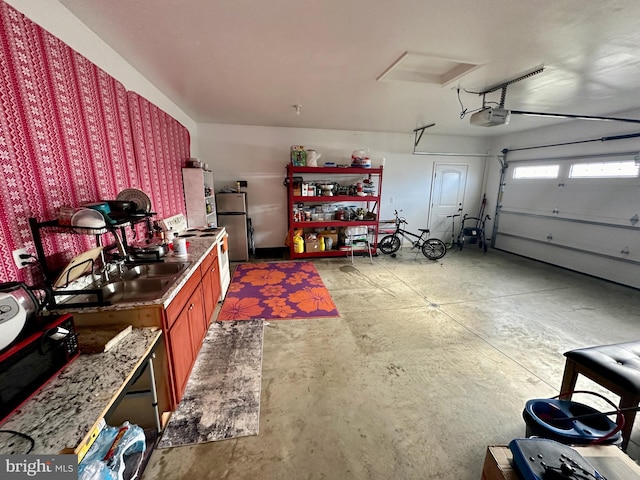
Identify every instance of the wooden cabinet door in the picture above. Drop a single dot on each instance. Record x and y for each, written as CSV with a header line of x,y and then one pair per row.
x,y
211,286
195,310
181,353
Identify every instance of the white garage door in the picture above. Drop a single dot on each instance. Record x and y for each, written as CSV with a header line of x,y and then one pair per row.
x,y
580,213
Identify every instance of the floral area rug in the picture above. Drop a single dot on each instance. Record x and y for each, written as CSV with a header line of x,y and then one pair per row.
x,y
277,291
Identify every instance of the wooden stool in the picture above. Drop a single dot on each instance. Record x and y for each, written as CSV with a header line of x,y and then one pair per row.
x,y
615,367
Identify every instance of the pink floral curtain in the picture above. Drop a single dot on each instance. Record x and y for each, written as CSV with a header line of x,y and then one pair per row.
x,y
161,148
66,138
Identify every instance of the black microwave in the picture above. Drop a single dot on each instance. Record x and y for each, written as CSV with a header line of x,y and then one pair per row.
x,y
37,357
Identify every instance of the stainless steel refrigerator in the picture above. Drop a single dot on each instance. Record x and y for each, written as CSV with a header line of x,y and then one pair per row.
x,y
232,215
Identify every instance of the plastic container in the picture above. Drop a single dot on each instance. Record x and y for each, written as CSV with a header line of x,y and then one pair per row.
x,y
554,419
298,244
328,243
179,246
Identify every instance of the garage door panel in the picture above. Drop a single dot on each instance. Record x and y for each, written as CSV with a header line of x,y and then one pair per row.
x,y
527,196
623,243
622,272
586,219
596,203
600,202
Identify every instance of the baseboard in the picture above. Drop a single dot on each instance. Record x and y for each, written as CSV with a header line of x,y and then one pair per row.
x,y
273,252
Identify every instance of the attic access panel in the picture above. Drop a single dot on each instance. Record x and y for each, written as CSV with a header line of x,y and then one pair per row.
x,y
415,67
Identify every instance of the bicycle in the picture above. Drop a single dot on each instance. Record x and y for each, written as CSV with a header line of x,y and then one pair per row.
x,y
432,248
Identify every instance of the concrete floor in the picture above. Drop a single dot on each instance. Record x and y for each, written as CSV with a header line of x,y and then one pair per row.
x,y
428,364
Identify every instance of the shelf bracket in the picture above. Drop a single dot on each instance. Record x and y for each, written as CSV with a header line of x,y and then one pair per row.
x,y
417,137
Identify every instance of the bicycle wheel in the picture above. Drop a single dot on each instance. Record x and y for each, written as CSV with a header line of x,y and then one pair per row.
x,y
389,244
434,249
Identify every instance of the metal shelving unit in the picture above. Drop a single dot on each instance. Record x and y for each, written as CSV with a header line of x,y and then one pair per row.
x,y
372,203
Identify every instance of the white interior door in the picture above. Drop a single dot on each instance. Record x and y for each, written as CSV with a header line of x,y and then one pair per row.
x,y
447,198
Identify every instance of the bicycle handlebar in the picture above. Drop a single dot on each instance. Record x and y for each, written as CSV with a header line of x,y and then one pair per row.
x,y
399,219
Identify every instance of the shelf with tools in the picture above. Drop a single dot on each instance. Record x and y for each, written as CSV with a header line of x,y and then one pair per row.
x,y
333,203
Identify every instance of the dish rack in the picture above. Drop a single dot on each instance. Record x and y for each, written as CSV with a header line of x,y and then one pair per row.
x,y
50,275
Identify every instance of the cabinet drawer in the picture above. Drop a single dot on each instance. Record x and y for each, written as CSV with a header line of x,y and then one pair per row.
x,y
211,257
178,303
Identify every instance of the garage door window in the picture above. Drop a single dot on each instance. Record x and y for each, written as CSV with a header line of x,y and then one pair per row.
x,y
624,169
536,171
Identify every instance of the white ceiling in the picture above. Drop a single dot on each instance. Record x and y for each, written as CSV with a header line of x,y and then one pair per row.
x,y
248,61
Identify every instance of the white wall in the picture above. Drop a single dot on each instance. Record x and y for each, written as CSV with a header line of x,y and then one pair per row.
x,y
57,20
260,155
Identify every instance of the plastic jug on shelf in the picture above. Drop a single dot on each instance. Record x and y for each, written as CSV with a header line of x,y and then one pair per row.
x,y
298,242
312,158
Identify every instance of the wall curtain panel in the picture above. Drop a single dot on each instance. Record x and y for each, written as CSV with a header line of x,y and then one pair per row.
x,y
161,149
66,139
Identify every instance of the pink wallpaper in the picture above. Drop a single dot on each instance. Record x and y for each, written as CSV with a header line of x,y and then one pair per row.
x,y
66,139
161,149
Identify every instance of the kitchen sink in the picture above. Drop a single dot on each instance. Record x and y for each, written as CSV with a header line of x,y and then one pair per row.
x,y
134,290
154,270
137,283
138,289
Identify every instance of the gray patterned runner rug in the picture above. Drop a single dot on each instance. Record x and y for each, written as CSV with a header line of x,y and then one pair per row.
x,y
222,397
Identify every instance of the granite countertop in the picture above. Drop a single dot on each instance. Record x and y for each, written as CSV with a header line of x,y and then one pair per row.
x,y
64,411
198,248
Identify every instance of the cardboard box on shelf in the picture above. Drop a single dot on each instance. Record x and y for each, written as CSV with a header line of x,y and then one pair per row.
x,y
312,245
332,234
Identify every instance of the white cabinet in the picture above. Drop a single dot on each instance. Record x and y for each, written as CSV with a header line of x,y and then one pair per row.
x,y
199,197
